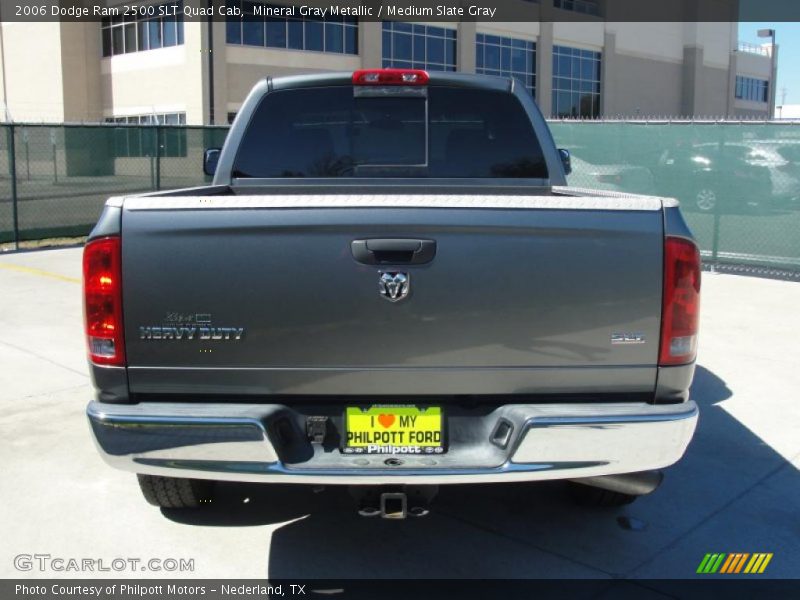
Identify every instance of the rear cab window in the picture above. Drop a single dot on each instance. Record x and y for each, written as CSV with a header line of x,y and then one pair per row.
x,y
450,132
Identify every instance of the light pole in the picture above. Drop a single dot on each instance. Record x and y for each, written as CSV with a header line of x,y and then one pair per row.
x,y
770,33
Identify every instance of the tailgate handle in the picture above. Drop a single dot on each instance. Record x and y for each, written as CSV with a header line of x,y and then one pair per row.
x,y
393,251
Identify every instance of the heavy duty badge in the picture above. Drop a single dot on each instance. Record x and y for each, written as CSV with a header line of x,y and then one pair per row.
x,y
189,326
191,332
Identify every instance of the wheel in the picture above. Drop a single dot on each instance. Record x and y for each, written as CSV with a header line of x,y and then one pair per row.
x,y
172,492
586,495
705,199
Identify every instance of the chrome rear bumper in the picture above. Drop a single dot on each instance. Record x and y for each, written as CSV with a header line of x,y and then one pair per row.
x,y
249,442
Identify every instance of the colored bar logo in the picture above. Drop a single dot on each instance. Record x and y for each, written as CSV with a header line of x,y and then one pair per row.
x,y
737,562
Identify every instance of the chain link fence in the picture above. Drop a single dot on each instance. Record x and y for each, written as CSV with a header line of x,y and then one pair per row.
x,y
738,183
54,180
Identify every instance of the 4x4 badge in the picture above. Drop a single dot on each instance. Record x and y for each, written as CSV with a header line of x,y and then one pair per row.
x,y
394,286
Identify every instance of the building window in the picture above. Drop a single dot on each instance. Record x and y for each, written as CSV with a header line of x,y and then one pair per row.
x,y
407,46
258,27
587,7
576,83
749,88
177,118
134,142
160,27
507,57
231,117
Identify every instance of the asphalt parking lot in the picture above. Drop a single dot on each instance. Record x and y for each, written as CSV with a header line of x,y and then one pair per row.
x,y
737,489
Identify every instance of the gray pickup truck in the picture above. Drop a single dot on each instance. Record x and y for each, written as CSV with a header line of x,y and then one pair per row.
x,y
388,286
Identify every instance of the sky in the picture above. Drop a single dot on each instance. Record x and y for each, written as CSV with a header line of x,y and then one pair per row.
x,y
787,37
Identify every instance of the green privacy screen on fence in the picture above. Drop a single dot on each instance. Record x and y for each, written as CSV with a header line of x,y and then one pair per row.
x,y
58,177
738,183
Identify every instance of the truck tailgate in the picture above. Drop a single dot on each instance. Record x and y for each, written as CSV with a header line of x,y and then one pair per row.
x,y
262,295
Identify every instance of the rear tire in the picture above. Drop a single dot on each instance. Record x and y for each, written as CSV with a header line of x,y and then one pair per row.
x,y
595,497
173,492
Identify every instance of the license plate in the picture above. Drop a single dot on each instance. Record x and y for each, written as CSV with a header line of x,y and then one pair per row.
x,y
393,430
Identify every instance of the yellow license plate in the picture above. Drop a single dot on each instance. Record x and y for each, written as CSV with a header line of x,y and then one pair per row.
x,y
393,430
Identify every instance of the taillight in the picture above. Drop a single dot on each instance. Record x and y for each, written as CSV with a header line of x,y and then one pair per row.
x,y
102,301
681,308
390,77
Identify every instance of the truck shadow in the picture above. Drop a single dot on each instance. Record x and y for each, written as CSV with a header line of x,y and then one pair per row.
x,y
521,530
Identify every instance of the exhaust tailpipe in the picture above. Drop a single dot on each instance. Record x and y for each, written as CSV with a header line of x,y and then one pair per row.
x,y
633,484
